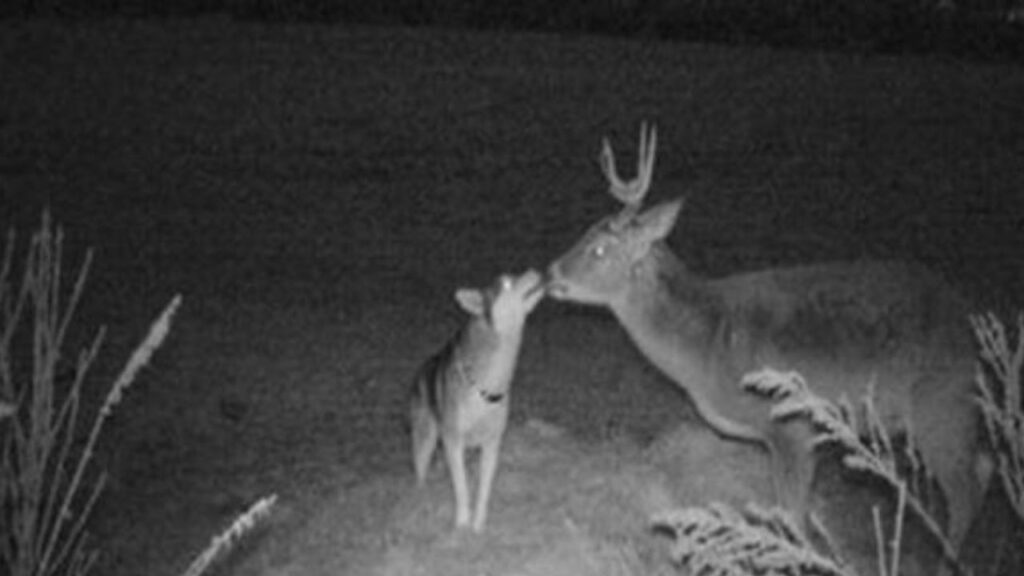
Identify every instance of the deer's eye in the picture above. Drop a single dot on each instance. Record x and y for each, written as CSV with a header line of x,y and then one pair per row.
x,y
599,250
506,283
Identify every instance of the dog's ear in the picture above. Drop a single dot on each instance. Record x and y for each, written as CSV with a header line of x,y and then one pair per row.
x,y
471,300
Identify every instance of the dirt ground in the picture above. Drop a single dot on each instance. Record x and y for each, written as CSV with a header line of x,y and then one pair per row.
x,y
316,194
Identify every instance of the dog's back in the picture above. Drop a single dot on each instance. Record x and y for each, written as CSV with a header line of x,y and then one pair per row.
x,y
454,396
429,388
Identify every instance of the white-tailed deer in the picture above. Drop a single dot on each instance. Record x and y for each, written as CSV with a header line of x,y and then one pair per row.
x,y
843,326
461,394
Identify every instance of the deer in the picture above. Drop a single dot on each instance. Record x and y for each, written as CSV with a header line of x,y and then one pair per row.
x,y
460,395
846,326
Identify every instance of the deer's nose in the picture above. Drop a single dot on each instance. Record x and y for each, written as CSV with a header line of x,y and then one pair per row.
x,y
552,283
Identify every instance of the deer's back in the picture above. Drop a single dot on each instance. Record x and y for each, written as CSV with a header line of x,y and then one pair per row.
x,y
844,326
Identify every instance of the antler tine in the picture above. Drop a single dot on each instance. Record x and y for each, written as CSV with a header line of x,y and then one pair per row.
x,y
631,193
615,185
645,159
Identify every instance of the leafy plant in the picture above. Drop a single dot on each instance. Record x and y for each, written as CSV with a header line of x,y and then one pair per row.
x,y
722,541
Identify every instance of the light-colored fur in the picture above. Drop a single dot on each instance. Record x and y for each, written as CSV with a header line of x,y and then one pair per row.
x,y
843,326
461,394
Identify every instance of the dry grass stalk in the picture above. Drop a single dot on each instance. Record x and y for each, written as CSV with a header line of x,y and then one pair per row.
x,y
1000,401
223,542
46,507
889,556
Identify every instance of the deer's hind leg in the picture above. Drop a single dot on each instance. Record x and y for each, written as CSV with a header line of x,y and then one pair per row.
x,y
947,433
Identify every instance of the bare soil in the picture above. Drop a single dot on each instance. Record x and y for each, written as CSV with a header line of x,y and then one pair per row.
x,y
317,193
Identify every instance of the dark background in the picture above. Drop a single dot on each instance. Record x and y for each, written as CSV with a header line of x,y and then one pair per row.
x,y
968,28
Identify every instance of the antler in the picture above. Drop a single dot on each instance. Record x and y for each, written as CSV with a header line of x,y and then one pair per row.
x,y
631,193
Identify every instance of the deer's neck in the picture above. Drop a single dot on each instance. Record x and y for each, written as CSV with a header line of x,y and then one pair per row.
x,y
671,315
674,319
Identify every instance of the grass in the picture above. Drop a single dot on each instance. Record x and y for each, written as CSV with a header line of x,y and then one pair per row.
x,y
718,539
48,484
999,387
41,480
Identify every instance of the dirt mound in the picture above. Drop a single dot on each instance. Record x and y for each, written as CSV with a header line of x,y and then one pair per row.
x,y
560,506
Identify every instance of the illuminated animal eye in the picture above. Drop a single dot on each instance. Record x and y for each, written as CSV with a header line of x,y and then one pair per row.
x,y
598,251
505,283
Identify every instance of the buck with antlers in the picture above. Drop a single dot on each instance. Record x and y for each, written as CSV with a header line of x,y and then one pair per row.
x,y
842,326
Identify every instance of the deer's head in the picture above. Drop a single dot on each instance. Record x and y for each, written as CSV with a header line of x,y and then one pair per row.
x,y
599,268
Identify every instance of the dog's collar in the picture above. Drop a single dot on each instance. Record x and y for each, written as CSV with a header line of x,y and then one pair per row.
x,y
487,395
492,397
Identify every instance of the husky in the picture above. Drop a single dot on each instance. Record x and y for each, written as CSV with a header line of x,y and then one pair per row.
x,y
461,394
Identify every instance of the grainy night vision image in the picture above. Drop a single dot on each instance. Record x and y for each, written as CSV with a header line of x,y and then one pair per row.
x,y
458,287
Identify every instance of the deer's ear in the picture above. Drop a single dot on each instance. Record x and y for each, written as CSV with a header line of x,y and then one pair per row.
x,y
655,223
470,300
